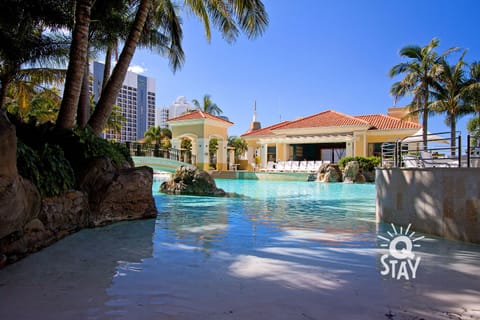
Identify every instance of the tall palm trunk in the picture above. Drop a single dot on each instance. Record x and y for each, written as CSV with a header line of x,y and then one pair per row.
x,y
83,112
108,66
76,66
453,134
425,121
3,90
109,94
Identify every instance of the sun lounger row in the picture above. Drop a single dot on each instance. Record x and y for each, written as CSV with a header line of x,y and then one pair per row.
x,y
294,166
426,160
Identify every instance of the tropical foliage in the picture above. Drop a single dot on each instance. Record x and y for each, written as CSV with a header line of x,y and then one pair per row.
x,y
365,163
421,75
436,86
186,144
34,32
212,151
207,105
451,95
46,167
239,144
156,134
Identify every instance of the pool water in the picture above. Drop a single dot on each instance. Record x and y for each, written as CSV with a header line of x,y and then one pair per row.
x,y
282,250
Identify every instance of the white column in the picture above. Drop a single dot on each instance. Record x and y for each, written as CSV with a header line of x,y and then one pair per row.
x,y
263,156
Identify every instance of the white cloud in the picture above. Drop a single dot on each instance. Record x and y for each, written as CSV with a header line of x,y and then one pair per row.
x,y
137,69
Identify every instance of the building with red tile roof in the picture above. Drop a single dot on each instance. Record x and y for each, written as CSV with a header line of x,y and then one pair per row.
x,y
327,135
201,128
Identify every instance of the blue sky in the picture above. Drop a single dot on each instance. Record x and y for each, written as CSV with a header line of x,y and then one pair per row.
x,y
315,55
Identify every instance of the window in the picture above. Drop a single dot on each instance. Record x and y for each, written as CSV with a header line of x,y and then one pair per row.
x,y
375,149
271,153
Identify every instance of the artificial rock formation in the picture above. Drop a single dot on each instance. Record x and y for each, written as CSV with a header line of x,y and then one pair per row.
x,y
116,194
329,173
192,181
352,173
29,223
19,198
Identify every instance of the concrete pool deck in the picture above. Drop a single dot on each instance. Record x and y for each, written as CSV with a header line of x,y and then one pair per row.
x,y
98,273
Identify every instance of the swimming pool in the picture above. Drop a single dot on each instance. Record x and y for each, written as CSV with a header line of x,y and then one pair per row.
x,y
284,250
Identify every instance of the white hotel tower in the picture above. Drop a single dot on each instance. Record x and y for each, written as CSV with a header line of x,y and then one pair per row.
x,y
136,100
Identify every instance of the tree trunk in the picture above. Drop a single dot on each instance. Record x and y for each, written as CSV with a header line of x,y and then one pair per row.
x,y
453,138
425,122
3,90
83,112
76,66
108,67
112,88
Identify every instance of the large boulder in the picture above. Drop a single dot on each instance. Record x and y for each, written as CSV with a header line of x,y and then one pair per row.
x,y
192,181
329,173
19,198
116,194
19,203
351,172
66,213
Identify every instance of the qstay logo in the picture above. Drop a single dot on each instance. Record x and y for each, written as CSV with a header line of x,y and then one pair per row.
x,y
401,262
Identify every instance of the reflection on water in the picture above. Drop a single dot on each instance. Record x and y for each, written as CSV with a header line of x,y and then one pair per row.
x,y
335,213
287,250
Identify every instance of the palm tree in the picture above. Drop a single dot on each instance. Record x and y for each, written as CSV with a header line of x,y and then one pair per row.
x,y
229,16
450,97
32,84
112,87
208,105
116,121
154,134
474,88
76,66
24,42
421,74
239,144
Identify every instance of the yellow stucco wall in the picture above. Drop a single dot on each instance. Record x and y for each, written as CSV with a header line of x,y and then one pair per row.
x,y
359,148
387,136
281,154
188,129
204,130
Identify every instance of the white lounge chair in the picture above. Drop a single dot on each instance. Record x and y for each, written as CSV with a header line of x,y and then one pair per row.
x,y
310,166
428,161
411,162
302,166
288,165
294,166
318,164
280,166
270,166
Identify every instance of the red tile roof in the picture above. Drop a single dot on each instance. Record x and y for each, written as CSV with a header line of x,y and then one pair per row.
x,y
327,118
383,122
198,114
265,131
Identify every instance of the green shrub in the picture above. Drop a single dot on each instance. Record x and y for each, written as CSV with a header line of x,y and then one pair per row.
x,y
365,163
47,168
92,146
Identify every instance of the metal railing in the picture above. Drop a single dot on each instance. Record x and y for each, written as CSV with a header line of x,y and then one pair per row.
x,y
440,151
473,148
154,150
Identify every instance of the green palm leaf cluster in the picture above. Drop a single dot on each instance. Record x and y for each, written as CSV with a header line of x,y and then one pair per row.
x,y
208,105
32,32
156,134
436,86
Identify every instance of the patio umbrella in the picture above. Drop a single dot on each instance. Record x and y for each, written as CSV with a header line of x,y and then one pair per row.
x,y
418,137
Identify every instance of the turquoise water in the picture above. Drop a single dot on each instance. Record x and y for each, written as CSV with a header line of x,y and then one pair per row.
x,y
283,250
268,210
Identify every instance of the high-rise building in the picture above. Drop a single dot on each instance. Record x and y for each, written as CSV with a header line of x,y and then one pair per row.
x,y
136,100
177,108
